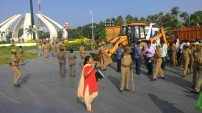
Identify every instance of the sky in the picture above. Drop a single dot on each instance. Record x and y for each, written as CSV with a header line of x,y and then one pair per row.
x,y
76,12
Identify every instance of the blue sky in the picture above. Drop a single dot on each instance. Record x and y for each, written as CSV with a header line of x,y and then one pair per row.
x,y
76,12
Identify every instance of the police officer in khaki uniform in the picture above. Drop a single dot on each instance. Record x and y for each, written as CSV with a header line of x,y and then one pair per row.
x,y
196,56
101,53
125,69
15,67
191,48
174,57
158,61
45,49
82,53
72,62
186,56
199,76
21,52
62,61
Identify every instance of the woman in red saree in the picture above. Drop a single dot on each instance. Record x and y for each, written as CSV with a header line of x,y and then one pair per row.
x,y
88,87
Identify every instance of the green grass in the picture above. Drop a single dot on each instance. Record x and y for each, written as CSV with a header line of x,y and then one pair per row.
x,y
5,54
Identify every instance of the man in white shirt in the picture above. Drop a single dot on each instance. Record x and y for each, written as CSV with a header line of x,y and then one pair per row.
x,y
163,56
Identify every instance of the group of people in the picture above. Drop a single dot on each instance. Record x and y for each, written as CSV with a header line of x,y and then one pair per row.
x,y
88,87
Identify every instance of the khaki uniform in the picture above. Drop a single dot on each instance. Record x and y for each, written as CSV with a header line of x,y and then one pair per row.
x,y
196,55
62,61
191,59
15,68
63,46
174,57
186,56
158,61
72,63
45,49
125,71
82,54
21,52
101,52
199,75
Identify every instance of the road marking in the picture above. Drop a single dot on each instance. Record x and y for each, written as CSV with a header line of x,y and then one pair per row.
x,y
9,98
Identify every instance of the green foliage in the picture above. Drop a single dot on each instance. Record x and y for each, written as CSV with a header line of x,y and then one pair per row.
x,y
4,42
77,43
30,41
5,54
174,19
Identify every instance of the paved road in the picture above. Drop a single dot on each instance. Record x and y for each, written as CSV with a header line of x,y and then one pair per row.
x,y
43,91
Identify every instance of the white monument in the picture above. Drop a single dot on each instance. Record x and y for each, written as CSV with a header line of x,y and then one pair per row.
x,y
25,21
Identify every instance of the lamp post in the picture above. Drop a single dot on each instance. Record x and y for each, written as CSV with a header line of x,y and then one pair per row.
x,y
91,12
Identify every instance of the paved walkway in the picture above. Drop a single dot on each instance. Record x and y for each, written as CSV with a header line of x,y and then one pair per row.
x,y
43,91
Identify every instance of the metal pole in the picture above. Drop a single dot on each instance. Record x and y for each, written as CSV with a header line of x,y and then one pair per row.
x,y
92,28
91,12
32,17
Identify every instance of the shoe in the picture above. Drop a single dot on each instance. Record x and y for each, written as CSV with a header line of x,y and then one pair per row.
x,y
121,91
162,77
18,85
15,85
194,92
92,110
153,79
127,90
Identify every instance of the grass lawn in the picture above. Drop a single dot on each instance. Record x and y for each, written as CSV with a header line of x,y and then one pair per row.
x,y
5,54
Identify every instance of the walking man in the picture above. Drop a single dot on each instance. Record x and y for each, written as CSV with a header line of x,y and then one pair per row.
x,y
15,67
62,61
72,62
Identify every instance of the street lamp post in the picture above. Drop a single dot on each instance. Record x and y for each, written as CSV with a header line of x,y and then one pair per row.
x,y
91,12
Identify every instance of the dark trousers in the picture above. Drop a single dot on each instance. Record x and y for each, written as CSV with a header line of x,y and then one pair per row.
x,y
137,65
119,65
150,65
163,65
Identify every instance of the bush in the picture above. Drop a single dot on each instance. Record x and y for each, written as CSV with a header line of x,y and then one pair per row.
x,y
30,41
4,42
77,43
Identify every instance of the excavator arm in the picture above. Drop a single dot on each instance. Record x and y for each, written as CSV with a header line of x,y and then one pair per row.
x,y
160,35
121,40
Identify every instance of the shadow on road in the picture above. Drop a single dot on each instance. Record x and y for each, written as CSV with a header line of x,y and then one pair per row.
x,y
164,106
25,79
115,81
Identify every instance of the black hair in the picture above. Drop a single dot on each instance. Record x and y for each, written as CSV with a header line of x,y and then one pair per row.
x,y
20,46
71,50
86,60
138,42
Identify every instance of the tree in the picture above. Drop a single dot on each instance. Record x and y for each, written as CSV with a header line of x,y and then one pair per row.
x,y
175,11
185,18
30,31
129,19
196,18
119,21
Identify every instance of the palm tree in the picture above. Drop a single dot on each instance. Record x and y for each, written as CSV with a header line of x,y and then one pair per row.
x,y
185,17
30,31
129,19
175,11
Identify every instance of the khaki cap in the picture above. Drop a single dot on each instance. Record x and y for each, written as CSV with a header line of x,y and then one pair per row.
x,y
13,50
